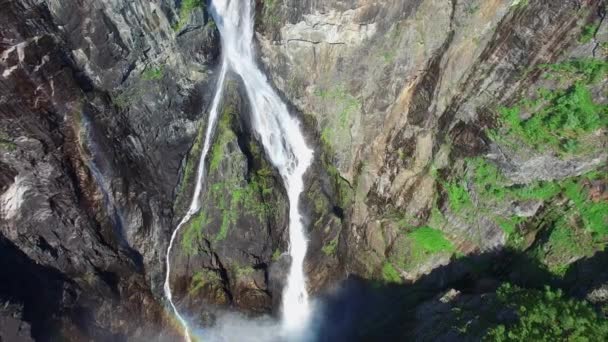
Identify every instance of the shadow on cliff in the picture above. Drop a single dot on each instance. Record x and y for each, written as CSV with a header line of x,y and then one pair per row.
x,y
364,310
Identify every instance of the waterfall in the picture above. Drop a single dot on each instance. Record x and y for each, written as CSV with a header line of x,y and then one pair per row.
x,y
282,139
195,203
283,142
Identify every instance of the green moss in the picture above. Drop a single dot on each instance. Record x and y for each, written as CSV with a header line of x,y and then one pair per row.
x,y
567,117
415,247
458,196
428,240
276,255
6,143
243,271
186,8
233,198
202,278
345,192
594,215
491,185
337,130
520,4
586,70
330,248
588,33
390,274
153,74
560,119
193,232
225,135
189,171
270,12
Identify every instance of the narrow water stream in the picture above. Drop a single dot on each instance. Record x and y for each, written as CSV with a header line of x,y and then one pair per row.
x,y
283,143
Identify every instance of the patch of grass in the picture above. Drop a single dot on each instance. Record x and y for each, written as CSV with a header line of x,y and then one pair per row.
x,y
575,230
270,12
588,33
243,271
458,196
520,4
345,192
547,315
153,74
276,255
193,232
6,143
202,278
390,274
559,119
337,130
491,185
586,70
415,247
428,240
594,215
186,8
566,116
233,198
330,248
224,136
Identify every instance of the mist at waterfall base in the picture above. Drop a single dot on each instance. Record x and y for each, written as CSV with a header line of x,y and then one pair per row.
x,y
337,315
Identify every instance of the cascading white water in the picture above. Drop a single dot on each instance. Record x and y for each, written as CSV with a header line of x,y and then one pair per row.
x,y
195,203
282,139
283,143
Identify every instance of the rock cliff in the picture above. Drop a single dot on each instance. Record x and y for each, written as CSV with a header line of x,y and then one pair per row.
x,y
458,144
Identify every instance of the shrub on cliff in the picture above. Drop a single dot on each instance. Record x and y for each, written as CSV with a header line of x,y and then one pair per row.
x,y
548,316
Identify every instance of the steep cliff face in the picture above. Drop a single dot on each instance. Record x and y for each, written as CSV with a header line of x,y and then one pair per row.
x,y
100,102
405,94
443,130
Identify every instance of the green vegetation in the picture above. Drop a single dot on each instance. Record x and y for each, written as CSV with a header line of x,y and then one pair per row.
x,y
588,33
575,230
243,271
427,240
153,74
586,70
338,131
276,255
193,233
416,246
189,171
330,248
270,12
594,215
233,198
345,192
390,274
491,186
472,8
560,118
566,117
547,316
225,135
186,8
520,4
6,143
458,196
202,278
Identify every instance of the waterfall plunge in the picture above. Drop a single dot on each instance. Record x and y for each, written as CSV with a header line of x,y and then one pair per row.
x,y
283,143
